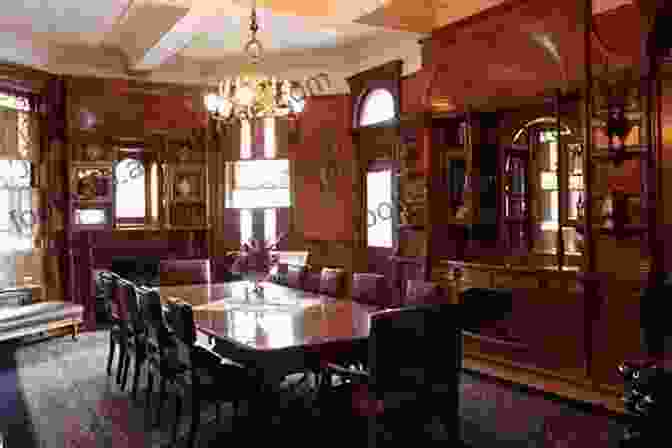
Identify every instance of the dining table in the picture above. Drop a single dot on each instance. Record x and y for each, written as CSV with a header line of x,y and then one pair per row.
x,y
275,330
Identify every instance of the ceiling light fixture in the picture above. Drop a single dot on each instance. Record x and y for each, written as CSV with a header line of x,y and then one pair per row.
x,y
250,96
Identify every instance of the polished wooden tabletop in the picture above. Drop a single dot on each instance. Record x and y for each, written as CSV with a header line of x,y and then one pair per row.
x,y
281,318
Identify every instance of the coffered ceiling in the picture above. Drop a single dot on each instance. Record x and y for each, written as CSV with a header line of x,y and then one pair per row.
x,y
199,41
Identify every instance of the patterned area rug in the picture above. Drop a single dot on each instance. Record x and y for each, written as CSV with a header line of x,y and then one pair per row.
x,y
55,393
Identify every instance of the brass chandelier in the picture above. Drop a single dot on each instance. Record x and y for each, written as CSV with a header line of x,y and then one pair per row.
x,y
252,96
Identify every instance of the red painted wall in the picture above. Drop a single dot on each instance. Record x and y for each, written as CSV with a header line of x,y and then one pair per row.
x,y
169,112
413,88
324,220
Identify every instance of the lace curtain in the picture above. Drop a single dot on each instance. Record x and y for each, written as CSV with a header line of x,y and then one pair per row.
x,y
19,145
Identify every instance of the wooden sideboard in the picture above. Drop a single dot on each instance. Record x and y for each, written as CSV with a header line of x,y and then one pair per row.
x,y
552,329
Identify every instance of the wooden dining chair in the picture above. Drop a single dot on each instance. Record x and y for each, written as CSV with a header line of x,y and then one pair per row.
x,y
161,346
120,330
332,282
419,292
411,387
201,373
136,345
371,289
295,276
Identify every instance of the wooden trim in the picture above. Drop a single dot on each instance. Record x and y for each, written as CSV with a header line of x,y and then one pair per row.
x,y
573,388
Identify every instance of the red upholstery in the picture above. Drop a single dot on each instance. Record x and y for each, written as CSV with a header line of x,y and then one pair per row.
x,y
332,282
295,276
421,292
371,289
184,272
311,281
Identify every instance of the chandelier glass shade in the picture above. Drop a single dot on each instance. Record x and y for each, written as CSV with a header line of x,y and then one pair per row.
x,y
254,95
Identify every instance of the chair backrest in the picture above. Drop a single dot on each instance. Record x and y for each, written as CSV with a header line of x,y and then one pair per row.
x,y
332,282
416,349
130,297
105,284
420,292
371,289
295,276
180,317
158,334
118,304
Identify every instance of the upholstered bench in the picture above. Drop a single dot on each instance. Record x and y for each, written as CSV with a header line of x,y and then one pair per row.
x,y
25,320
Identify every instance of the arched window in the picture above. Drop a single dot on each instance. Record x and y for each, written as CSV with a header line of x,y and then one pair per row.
x,y
376,107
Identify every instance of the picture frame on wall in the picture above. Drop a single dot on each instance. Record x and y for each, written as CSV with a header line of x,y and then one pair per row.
x,y
187,183
92,181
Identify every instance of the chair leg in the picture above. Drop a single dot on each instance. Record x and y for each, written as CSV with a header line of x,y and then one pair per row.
x,y
218,413
195,419
178,414
139,362
110,356
236,412
162,399
148,392
120,363
124,377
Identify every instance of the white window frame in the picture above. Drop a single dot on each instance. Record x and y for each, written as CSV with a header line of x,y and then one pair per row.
x,y
377,106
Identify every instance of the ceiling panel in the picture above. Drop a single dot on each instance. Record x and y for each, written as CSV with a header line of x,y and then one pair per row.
x,y
200,35
62,19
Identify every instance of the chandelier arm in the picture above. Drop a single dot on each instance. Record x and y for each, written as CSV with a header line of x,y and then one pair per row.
x,y
246,98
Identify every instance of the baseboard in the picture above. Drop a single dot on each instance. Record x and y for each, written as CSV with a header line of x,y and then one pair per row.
x,y
581,392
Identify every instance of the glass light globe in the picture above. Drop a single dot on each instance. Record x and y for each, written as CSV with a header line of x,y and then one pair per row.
x,y
225,107
211,102
245,95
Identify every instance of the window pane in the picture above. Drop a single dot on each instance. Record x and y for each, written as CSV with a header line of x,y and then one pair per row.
x,y
154,179
260,198
262,174
261,184
4,210
379,205
270,225
378,105
130,194
245,226
14,173
269,138
14,102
